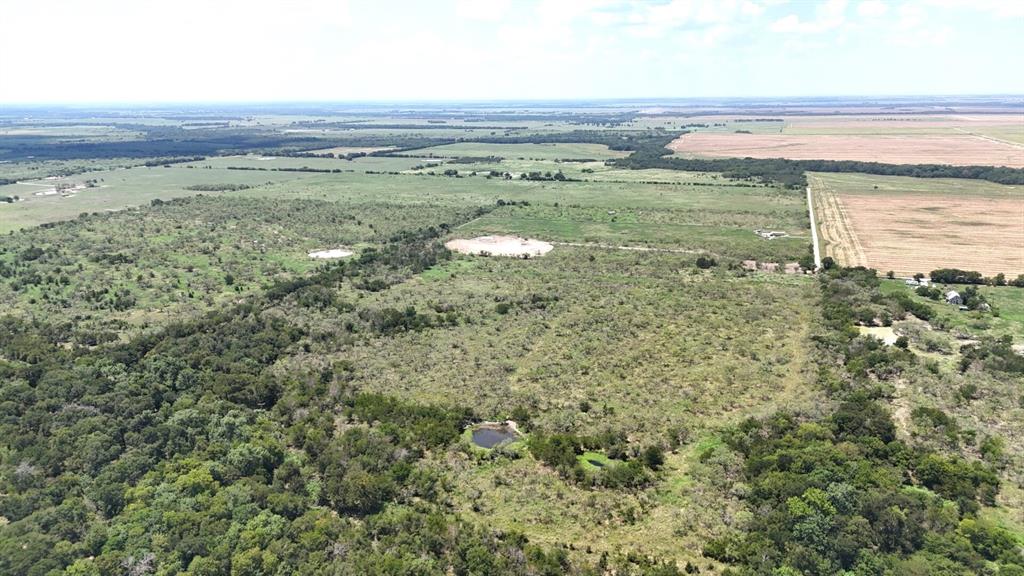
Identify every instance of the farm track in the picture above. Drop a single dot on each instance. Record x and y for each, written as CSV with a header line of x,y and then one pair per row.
x,y
814,229
837,234
992,139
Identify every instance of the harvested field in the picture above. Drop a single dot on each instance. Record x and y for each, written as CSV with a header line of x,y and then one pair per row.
x,y
895,225
956,149
500,246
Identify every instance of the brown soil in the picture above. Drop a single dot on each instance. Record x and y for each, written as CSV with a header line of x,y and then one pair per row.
x,y
500,246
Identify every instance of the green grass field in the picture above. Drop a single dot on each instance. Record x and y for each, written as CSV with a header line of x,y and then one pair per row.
x,y
522,151
869,184
117,190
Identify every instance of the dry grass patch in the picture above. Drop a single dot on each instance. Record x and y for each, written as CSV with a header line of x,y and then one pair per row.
x,y
919,231
956,149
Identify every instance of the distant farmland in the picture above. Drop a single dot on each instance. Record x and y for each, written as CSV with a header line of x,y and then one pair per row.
x,y
910,225
958,140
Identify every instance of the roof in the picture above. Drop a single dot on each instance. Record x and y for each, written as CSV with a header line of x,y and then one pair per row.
x,y
952,294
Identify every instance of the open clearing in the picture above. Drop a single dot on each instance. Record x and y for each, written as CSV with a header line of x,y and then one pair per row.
x,y
500,246
956,149
330,254
911,225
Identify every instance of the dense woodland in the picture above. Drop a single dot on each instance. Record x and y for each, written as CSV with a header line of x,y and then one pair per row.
x,y
184,434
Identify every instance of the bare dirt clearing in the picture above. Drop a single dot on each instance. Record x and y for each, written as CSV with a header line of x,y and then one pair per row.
x,y
883,333
956,149
919,232
500,246
330,254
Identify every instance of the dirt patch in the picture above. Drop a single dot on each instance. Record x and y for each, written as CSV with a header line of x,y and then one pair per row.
x,y
500,246
957,149
330,254
883,333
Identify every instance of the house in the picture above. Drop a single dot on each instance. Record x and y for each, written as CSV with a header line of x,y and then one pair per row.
x,y
770,234
953,297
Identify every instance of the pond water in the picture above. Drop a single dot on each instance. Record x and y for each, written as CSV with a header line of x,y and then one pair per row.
x,y
491,436
597,463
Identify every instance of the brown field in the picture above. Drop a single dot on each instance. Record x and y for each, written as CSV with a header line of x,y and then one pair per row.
x,y
956,149
918,231
873,120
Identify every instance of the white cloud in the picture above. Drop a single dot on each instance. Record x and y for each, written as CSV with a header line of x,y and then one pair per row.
x,y
828,16
910,16
923,37
482,10
752,9
872,8
997,8
785,24
709,18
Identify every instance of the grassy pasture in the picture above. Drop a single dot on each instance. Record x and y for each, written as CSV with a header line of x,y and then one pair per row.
x,y
270,163
88,132
116,190
887,186
591,171
522,151
478,190
664,229
32,170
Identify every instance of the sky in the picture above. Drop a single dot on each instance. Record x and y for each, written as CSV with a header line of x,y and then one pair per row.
x,y
355,50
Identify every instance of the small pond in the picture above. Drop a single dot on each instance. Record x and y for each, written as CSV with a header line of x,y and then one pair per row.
x,y
597,463
491,436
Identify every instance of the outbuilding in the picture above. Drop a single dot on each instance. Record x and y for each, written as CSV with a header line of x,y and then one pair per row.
x,y
954,297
